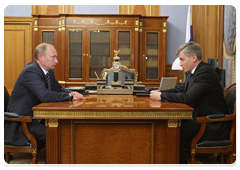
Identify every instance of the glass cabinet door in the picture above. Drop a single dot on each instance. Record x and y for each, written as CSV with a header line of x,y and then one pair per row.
x,y
75,54
99,52
152,58
124,46
48,37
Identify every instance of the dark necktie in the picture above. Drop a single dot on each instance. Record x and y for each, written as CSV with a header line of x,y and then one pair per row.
x,y
48,81
190,77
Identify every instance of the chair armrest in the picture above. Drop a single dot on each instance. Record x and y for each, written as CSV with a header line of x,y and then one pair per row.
x,y
216,118
11,115
204,120
8,116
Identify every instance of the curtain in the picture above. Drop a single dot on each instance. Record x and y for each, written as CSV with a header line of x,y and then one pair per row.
x,y
230,39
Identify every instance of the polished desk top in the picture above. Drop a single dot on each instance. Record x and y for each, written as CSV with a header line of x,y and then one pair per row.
x,y
112,106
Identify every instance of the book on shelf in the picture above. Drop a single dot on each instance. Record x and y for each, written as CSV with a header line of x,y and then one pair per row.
x,y
124,51
152,51
99,60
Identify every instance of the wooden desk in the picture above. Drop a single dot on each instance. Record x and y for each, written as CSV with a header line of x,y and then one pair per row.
x,y
112,129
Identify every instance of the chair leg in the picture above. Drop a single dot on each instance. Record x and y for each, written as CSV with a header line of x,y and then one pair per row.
x,y
231,158
222,158
35,159
193,158
7,159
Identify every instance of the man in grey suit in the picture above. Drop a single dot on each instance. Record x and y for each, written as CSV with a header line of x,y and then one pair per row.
x,y
36,84
202,91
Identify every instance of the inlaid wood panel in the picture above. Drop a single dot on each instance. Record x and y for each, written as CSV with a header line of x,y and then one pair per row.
x,y
113,142
207,21
52,9
17,50
144,10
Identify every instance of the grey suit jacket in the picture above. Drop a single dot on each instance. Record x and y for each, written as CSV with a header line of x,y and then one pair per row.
x,y
30,90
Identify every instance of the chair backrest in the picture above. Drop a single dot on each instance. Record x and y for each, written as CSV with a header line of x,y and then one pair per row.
x,y
230,96
6,98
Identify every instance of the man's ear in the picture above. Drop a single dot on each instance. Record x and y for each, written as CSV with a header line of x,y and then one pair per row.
x,y
194,56
40,57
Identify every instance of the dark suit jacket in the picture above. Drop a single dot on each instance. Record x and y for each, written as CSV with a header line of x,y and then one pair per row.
x,y
30,90
204,93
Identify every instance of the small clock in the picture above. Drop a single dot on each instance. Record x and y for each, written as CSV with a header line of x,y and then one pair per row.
x,y
116,66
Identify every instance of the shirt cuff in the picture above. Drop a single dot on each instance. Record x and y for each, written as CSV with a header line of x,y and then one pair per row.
x,y
71,96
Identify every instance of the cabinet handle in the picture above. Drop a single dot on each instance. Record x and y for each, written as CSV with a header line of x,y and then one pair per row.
x,y
143,55
83,54
87,54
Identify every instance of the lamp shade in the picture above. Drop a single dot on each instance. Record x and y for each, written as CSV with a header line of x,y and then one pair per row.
x,y
176,65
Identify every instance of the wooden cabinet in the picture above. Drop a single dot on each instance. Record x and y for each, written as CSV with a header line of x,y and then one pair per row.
x,y
86,44
153,50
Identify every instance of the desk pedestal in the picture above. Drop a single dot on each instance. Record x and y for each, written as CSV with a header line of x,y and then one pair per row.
x,y
112,141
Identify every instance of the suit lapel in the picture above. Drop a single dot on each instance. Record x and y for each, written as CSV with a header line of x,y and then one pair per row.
x,y
187,85
41,71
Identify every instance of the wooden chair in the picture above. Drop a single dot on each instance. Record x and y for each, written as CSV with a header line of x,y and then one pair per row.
x,y
30,147
222,146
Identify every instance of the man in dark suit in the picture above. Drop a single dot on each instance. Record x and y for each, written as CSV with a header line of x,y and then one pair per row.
x,y
202,91
36,84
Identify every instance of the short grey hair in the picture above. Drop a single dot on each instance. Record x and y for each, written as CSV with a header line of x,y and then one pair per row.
x,y
189,49
40,49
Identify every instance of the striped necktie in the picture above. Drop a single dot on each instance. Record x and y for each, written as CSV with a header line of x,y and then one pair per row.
x,y
48,81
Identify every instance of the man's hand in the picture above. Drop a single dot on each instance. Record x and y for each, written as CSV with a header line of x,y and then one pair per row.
x,y
155,95
77,96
